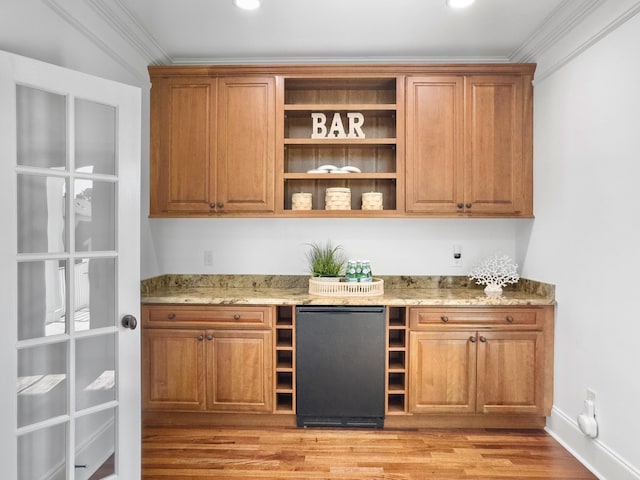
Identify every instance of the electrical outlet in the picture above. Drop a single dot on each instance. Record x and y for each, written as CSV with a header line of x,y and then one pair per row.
x,y
591,395
208,258
456,255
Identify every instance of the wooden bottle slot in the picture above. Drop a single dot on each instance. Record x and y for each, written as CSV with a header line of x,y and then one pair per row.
x,y
396,382
284,402
284,338
397,360
284,316
397,338
284,360
396,403
284,381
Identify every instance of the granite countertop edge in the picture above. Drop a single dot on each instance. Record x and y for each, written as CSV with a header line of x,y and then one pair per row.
x,y
293,290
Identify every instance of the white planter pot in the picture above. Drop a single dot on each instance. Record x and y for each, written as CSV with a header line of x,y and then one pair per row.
x,y
493,291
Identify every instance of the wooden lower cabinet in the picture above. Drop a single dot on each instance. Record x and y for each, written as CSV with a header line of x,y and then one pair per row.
x,y
470,371
239,371
173,369
188,368
217,371
447,367
481,361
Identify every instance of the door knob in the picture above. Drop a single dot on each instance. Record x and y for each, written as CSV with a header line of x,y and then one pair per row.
x,y
129,321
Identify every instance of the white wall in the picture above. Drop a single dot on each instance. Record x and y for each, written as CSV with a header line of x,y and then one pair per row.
x,y
585,240
277,246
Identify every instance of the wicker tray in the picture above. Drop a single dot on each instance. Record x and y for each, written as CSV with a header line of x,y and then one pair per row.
x,y
346,289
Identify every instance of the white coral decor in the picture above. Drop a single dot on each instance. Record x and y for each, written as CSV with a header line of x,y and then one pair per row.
x,y
495,272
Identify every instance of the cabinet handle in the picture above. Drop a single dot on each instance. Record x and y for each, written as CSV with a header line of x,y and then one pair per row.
x,y
483,339
220,204
509,319
236,316
473,339
171,316
212,205
209,337
468,205
444,318
200,338
461,205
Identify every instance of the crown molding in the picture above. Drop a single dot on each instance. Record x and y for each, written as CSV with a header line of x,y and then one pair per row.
x,y
74,21
332,60
557,25
116,14
608,20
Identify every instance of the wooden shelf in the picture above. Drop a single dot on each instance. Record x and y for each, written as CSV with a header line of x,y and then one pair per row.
x,y
341,107
339,176
340,141
376,155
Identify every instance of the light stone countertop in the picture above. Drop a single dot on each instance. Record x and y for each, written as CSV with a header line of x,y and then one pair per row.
x,y
293,290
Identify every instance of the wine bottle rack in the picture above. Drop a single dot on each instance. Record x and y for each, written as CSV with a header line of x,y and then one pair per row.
x,y
284,360
396,385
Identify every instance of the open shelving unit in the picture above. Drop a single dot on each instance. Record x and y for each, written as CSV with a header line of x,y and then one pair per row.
x,y
376,155
284,360
397,355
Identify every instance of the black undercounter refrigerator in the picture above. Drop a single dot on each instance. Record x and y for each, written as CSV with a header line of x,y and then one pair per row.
x,y
340,366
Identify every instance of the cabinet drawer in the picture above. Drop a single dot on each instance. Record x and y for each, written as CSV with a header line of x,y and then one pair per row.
x,y
427,318
207,317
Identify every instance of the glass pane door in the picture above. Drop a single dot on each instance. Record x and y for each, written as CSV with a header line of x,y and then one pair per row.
x,y
70,267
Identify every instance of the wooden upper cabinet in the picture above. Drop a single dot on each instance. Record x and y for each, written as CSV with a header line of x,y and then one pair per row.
x,y
212,145
469,145
498,167
436,140
183,147
246,145
434,127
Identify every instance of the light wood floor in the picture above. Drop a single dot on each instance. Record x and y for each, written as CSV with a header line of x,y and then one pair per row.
x,y
289,453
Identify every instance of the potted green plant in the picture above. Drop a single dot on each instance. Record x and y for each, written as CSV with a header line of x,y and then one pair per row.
x,y
325,260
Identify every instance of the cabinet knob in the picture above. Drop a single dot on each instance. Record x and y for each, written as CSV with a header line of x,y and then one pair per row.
x,y
483,339
461,205
509,319
473,339
220,204
236,316
212,205
468,205
209,337
171,316
200,338
445,319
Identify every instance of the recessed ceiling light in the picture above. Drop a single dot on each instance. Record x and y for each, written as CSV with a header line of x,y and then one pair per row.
x,y
459,3
247,4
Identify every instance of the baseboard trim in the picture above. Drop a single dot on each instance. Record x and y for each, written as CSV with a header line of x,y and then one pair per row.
x,y
592,453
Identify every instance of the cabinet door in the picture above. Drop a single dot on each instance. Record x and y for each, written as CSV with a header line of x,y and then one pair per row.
x,y
173,369
434,176
497,168
239,371
183,114
246,145
511,372
442,372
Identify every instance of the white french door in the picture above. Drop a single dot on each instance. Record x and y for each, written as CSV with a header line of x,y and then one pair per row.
x,y
69,274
